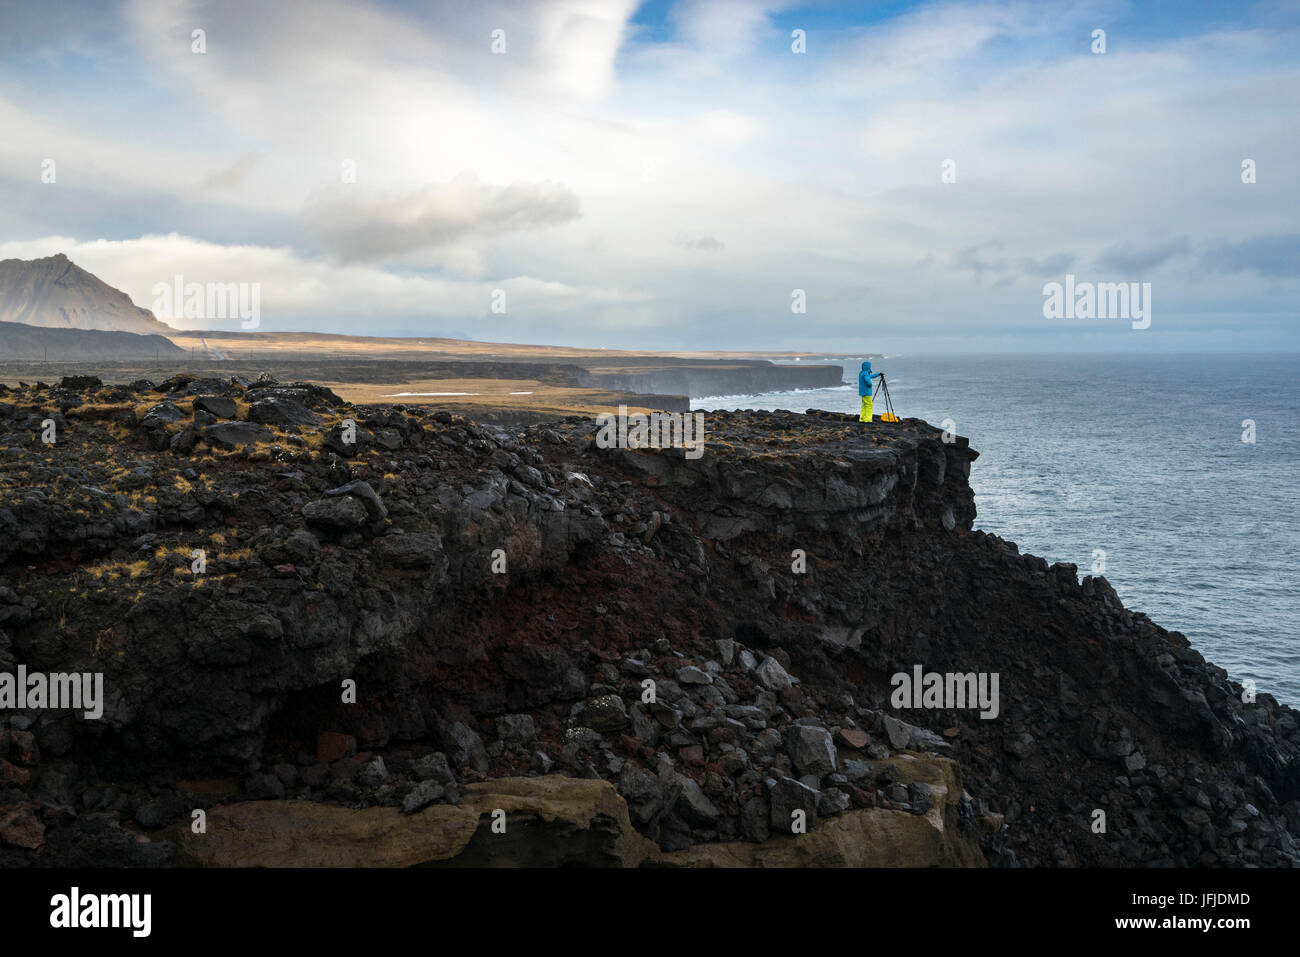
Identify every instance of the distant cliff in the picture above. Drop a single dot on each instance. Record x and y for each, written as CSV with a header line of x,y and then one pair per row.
x,y
703,377
56,293
19,341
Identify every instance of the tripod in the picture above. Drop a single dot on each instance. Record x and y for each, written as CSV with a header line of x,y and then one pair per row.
x,y
882,389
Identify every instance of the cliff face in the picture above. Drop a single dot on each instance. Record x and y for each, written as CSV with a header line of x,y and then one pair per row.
x,y
58,293
501,597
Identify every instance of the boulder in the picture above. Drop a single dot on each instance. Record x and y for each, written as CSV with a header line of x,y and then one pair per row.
x,y
517,730
281,412
235,435
786,795
421,796
694,806
340,513
854,738
772,676
219,405
433,767
465,747
364,493
605,714
811,750
904,736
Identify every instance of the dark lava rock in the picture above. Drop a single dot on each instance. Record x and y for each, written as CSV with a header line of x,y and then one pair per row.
x,y
217,405
164,413
904,736
642,792
811,750
433,767
755,820
516,730
339,513
465,747
1022,745
694,805
366,495
183,442
786,795
337,440
281,412
606,713
83,383
691,675
421,796
159,811
410,551
234,435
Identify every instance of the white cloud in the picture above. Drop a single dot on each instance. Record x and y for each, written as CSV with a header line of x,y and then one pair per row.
x,y
819,171
724,29
294,290
356,224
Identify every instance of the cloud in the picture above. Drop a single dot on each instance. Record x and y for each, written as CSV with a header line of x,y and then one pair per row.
x,y
1131,258
698,243
356,225
577,42
48,31
1046,265
976,259
299,293
822,170
723,29
234,174
1276,256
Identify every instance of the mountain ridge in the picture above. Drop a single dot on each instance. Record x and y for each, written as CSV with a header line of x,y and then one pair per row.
x,y
54,292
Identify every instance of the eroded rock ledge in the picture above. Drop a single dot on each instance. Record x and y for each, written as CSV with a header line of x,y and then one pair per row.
x,y
500,596
554,821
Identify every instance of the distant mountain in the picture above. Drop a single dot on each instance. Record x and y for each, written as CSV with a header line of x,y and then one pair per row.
x,y
57,293
21,342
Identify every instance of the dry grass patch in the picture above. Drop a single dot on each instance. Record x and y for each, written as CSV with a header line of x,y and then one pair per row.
x,y
118,570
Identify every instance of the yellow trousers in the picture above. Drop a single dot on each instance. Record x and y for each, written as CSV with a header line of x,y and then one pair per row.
x,y
866,409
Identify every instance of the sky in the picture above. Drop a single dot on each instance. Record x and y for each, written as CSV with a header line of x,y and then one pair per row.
x,y
676,174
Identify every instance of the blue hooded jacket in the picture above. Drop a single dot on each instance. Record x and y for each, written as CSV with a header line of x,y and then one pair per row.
x,y
864,379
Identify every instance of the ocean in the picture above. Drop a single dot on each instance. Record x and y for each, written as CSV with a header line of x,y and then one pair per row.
x,y
1139,457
